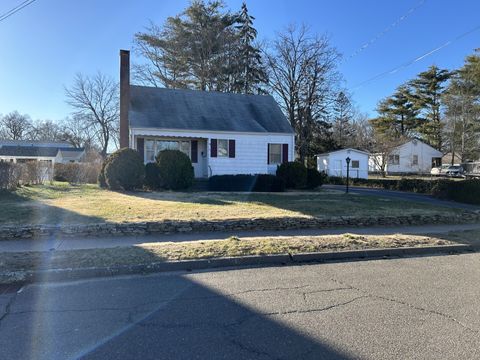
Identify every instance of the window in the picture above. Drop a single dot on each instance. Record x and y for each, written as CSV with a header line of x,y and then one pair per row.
x,y
394,159
355,164
415,160
153,147
150,150
275,153
222,148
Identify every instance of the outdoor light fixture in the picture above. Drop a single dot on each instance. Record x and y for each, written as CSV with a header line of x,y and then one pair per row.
x,y
348,171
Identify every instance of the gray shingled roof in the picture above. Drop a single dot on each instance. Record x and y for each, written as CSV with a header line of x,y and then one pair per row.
x,y
34,151
152,107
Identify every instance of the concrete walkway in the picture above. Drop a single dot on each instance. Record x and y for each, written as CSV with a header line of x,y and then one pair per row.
x,y
115,241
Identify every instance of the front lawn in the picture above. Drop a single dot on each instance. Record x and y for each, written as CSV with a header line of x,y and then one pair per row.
x,y
61,203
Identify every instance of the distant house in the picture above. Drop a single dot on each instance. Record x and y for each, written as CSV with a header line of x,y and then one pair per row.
x,y
49,153
413,157
334,163
221,133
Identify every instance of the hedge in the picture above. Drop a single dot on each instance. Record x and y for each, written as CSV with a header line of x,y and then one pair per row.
x,y
467,191
253,183
294,174
77,173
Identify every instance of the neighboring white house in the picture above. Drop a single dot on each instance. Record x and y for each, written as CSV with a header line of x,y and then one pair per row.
x,y
222,133
334,163
49,153
413,156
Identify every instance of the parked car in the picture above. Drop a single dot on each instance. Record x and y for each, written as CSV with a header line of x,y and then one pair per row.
x,y
439,171
455,171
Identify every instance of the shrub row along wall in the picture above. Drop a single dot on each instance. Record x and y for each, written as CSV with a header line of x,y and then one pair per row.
x,y
167,227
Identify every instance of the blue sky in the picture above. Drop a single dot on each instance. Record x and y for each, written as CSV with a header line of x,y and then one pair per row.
x,y
45,44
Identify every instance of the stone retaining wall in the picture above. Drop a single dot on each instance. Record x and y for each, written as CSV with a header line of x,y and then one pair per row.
x,y
168,226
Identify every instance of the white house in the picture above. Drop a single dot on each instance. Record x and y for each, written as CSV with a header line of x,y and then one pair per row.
x,y
49,153
222,133
414,156
334,163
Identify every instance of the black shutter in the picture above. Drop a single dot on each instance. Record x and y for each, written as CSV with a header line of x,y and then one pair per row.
x,y
141,147
213,148
285,153
231,148
268,153
194,151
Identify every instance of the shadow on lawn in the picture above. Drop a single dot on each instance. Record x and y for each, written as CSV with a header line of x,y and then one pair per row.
x,y
17,209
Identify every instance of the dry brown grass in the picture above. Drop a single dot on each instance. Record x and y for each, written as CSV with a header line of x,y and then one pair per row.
x,y
60,203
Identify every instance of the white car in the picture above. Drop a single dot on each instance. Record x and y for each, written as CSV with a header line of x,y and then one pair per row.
x,y
439,171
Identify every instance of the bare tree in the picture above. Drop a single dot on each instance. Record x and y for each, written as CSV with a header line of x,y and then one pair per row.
x,y
76,131
383,147
15,126
95,101
302,75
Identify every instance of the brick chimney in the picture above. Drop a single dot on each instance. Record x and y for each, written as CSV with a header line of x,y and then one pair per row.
x,y
124,97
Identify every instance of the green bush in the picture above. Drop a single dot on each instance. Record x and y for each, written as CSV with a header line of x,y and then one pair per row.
x,y
124,170
243,182
101,176
152,176
467,191
314,178
176,170
294,174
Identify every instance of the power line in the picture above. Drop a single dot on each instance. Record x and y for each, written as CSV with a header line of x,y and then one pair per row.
x,y
386,30
16,9
421,57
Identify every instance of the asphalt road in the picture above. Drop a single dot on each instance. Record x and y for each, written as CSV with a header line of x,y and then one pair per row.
x,y
403,195
414,308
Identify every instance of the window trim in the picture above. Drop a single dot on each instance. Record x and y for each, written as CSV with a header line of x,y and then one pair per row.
x,y
280,146
226,141
358,164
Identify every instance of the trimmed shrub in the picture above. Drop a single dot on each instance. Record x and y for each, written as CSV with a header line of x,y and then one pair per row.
x,y
467,191
314,178
152,176
176,170
249,183
101,176
124,170
294,174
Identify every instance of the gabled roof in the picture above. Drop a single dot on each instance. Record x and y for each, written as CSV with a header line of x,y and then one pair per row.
x,y
341,150
34,151
181,109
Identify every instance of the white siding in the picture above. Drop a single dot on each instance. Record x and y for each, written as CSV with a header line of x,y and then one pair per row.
x,y
250,149
334,163
406,152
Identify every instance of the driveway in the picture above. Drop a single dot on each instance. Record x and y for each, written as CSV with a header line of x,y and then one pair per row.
x,y
414,308
403,195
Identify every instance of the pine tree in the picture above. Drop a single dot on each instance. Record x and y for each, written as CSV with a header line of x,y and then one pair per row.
x,y
251,71
398,115
342,128
428,89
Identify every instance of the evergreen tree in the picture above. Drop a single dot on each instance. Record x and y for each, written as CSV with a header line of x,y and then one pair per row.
x,y
428,89
398,115
251,70
342,128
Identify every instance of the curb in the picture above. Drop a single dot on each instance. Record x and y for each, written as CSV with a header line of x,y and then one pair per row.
x,y
69,274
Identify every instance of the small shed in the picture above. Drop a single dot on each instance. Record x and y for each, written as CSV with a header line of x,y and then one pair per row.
x,y
334,163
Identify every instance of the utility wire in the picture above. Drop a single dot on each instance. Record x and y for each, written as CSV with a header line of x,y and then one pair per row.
x,y
386,30
421,57
16,9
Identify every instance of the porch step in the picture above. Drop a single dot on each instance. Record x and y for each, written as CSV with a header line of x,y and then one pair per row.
x,y
200,185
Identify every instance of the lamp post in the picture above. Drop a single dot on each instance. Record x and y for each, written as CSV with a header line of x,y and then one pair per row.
x,y
348,171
